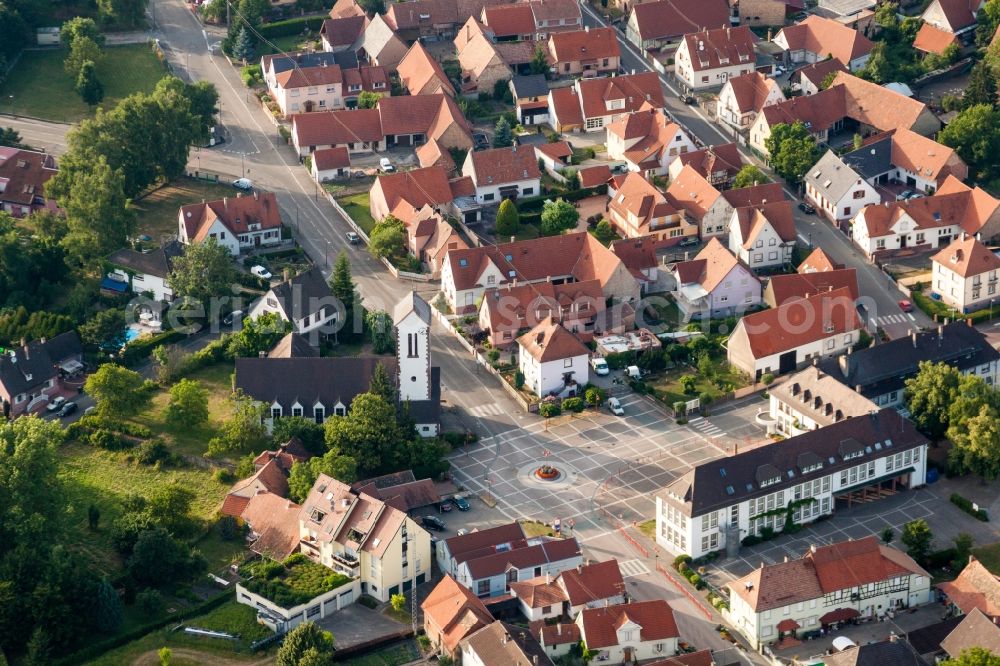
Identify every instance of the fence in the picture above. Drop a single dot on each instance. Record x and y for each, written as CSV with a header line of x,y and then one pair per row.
x,y
407,275
350,221
687,593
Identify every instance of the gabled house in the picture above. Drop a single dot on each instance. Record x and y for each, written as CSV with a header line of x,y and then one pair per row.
x,y
905,157
584,52
593,104
433,154
763,236
702,203
272,525
717,164
782,289
147,272
401,490
928,222
507,311
539,598
271,471
974,589
487,561
715,284
554,156
502,643
818,261
954,16
555,15
421,74
660,25
592,585
378,44
627,633
817,37
743,96
482,65
965,274
430,20
304,82
826,586
646,258
358,130
638,208
811,77
932,39
23,174
510,23
975,630
556,639
553,360
779,340
451,614
305,301
236,223
531,98
339,33
403,194
429,237
572,257
503,173
30,372
330,164
647,140
594,176
318,388
811,399
709,58
836,190
727,498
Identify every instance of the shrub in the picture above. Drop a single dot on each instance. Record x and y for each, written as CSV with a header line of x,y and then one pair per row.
x,y
549,409
149,602
966,506
573,405
681,559
767,379
152,452
295,26
940,558
594,396
223,475
251,75
688,383
139,349
107,440
696,580
519,380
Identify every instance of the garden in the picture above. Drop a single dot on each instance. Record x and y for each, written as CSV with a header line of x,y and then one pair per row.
x,y
290,583
357,207
156,213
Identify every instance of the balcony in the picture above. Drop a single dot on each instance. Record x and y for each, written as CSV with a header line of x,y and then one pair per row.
x,y
347,564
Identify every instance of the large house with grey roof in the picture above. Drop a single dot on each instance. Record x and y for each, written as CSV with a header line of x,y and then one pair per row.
x,y
836,190
724,501
30,372
305,301
827,586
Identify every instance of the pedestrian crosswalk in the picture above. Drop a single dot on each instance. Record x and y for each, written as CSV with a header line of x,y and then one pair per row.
x,y
705,427
633,568
895,319
491,409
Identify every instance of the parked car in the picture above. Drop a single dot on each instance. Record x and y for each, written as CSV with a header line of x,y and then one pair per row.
x,y
686,98
481,140
55,404
353,238
689,241
235,315
385,165
67,409
261,272
461,503
779,70
906,306
244,184
904,195
433,523
445,506
600,366
616,407
806,208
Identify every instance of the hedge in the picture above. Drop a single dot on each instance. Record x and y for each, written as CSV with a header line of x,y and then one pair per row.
x,y
95,650
535,204
966,506
295,26
140,348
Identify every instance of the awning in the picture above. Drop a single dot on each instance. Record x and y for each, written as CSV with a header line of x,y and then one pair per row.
x,y
788,625
871,482
114,285
839,615
70,366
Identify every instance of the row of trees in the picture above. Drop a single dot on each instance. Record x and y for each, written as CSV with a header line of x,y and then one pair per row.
x,y
84,40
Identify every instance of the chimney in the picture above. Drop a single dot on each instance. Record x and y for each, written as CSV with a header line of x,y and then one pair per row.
x,y
586,28
548,579
504,638
27,352
44,339
534,659
812,548
579,568
968,321
558,628
893,638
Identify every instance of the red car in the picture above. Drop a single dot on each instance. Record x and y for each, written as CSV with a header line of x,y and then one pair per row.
x,y
906,306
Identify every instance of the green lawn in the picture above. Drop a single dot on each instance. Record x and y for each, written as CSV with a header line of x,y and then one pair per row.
x,y
156,213
42,88
526,232
233,618
669,388
648,527
396,655
357,207
989,556
534,528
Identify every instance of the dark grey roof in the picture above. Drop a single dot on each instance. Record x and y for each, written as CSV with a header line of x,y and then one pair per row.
x,y
314,59
927,640
347,59
831,177
885,367
304,294
293,345
726,481
873,159
885,653
387,480
156,262
30,366
533,85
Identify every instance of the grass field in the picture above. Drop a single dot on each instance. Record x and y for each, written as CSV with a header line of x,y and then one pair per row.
x,y
670,384
42,88
356,206
648,527
188,439
156,213
401,653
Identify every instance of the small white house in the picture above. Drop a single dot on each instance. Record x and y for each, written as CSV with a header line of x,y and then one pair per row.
x,y
763,236
305,300
742,98
503,173
709,58
836,190
330,164
552,360
629,633
147,272
539,598
236,223
966,274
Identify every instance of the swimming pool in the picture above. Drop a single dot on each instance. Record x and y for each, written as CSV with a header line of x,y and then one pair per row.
x,y
131,333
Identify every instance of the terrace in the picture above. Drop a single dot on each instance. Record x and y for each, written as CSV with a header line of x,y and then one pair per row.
x,y
291,583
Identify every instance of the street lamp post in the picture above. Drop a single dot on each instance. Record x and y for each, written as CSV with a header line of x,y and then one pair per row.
x,y
991,307
11,97
326,254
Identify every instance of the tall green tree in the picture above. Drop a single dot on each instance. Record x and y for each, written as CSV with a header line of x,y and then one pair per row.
x,y
188,403
503,137
83,49
105,329
976,443
259,334
987,20
975,136
117,391
508,219
88,87
368,434
122,13
792,149
305,639
108,608
368,99
10,137
77,27
244,48
748,176
388,238
982,86
929,396
305,430
204,271
917,538
304,474
344,290
243,431
379,325
558,216
382,385
539,61
39,651
202,98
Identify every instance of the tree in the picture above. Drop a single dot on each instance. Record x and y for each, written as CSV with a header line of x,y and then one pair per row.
x,y
792,149
975,656
368,433
888,535
344,290
300,640
305,430
917,538
188,403
39,650
539,61
982,86
963,548
105,330
501,91
976,443
502,135
244,47
975,136
259,334
426,456
827,80
372,7
164,655
558,216
388,238
108,608
122,13
380,326
98,215
83,49
398,602
204,271
508,219
243,431
118,391
382,385
368,99
10,137
880,68
748,176
157,557
929,395
78,27
204,100
304,474
88,87
987,20
886,15
604,232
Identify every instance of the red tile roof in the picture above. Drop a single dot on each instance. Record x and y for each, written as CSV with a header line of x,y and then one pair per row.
x,y
408,15
504,165
512,308
959,13
539,592
699,658
343,31
638,197
931,39
709,268
593,176
800,322
592,582
967,256
414,189
300,77
23,174
423,114
667,19
600,625
421,74
691,191
233,505
953,204
975,587
720,47
824,36
480,542
558,150
566,104
549,551
276,521
724,158
800,285
818,71
235,213
337,127
551,635
331,158
510,20
454,611
754,195
751,90
753,220
583,45
547,10
548,341
817,262
634,89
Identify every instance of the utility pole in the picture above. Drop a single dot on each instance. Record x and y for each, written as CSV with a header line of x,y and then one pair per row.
x,y
227,13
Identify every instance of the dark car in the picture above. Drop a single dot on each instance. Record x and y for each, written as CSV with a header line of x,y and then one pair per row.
x,y
461,503
686,98
433,523
806,208
689,241
481,140
67,409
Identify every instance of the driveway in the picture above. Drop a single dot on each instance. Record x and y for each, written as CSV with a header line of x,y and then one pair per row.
x,y
357,624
